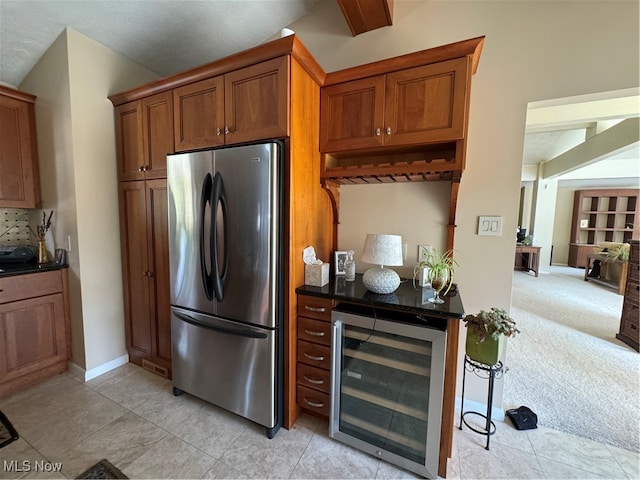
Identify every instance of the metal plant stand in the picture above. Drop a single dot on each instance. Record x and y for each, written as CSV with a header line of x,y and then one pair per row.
x,y
491,372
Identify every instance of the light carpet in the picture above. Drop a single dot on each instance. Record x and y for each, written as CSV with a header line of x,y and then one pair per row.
x,y
567,365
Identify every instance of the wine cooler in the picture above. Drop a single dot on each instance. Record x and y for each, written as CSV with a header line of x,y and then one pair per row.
x,y
387,385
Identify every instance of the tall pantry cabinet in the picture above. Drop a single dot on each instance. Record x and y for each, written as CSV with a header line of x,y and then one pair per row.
x,y
144,137
269,92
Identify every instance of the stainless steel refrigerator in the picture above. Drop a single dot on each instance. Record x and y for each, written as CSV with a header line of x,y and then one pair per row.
x,y
225,233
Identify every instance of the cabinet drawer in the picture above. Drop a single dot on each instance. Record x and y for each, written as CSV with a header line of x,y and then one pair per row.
x,y
20,287
314,331
632,292
314,355
630,313
313,400
315,307
630,329
312,377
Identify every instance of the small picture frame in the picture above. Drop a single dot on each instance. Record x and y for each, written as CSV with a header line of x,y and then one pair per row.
x,y
340,258
60,256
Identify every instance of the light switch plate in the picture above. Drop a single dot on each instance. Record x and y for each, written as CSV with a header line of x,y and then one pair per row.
x,y
423,252
489,225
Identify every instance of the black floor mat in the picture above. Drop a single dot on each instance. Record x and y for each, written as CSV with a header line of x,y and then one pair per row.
x,y
7,433
102,469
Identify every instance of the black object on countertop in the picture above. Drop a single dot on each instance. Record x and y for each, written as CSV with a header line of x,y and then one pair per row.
x,y
22,268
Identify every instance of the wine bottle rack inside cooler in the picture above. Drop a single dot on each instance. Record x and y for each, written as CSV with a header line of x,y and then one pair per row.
x,y
387,389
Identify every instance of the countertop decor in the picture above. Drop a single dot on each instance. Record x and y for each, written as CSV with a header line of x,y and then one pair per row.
x,y
406,297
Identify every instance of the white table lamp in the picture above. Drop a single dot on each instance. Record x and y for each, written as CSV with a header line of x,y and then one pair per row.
x,y
382,249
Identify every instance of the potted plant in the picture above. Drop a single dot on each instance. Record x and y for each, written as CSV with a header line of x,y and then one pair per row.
x,y
441,267
620,252
485,334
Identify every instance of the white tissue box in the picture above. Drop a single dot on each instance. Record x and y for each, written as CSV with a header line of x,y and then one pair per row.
x,y
316,275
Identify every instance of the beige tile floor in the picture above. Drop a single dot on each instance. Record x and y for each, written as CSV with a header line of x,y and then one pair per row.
x,y
130,417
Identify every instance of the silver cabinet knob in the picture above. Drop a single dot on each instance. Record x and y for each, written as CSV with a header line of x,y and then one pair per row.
x,y
218,131
377,132
388,130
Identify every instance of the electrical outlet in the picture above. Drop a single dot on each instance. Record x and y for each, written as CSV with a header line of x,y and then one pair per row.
x,y
423,252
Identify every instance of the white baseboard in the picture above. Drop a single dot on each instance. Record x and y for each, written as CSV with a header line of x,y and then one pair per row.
x,y
86,375
471,406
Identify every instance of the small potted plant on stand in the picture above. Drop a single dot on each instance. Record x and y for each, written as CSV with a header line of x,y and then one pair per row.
x,y
485,334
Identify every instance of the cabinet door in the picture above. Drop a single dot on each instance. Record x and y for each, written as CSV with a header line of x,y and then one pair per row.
x,y
19,174
157,120
157,228
129,143
351,115
426,104
257,101
198,112
133,230
32,337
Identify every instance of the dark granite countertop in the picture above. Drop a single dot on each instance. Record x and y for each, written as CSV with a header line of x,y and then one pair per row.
x,y
22,268
405,298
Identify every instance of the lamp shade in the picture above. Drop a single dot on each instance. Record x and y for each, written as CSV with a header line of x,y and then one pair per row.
x,y
382,249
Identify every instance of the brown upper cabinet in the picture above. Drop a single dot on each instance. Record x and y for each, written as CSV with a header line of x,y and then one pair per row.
x,y
410,107
241,106
144,137
19,171
399,119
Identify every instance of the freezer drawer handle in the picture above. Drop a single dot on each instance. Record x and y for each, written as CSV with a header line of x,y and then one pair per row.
x,y
314,404
313,380
313,357
313,334
231,331
315,309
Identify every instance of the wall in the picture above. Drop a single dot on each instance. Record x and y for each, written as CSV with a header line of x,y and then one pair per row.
x,y
533,51
76,144
562,226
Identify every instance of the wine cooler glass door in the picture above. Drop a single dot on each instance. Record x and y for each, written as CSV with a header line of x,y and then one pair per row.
x,y
387,390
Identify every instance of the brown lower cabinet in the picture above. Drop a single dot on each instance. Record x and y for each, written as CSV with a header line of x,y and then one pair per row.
x,y
145,268
313,368
630,319
35,336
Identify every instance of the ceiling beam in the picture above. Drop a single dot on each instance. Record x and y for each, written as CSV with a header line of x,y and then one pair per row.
x,y
616,139
366,15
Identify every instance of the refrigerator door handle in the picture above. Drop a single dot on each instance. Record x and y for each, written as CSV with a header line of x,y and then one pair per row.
x,y
205,197
218,198
240,332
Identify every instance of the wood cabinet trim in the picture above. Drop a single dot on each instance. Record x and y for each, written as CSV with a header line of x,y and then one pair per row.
x,y
17,94
471,47
289,45
366,15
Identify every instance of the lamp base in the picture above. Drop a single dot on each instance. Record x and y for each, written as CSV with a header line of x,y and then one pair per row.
x,y
381,280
